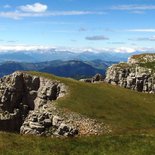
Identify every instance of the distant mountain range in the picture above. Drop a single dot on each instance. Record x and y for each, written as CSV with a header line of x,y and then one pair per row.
x,y
52,54
72,68
61,63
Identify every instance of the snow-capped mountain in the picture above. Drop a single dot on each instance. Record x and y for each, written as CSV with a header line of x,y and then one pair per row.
x,y
52,54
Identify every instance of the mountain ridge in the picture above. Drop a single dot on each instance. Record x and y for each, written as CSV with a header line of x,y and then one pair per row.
x,y
72,68
49,55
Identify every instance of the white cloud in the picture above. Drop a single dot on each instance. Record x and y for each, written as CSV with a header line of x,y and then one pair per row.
x,y
19,15
116,42
129,49
39,48
4,48
13,15
40,10
133,7
141,30
137,12
124,49
68,13
36,7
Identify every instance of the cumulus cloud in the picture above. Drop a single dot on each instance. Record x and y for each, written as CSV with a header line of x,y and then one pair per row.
x,y
97,38
40,10
36,7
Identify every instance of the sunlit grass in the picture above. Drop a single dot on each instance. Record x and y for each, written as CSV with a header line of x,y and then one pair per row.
x,y
130,114
12,144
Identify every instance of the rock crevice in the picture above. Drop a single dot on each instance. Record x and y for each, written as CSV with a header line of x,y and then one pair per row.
x,y
23,100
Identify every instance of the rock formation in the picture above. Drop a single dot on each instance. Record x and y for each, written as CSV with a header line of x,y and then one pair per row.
x,y
23,99
141,58
96,78
27,106
132,75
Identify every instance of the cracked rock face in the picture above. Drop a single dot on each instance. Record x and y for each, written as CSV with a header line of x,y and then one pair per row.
x,y
132,76
46,124
23,100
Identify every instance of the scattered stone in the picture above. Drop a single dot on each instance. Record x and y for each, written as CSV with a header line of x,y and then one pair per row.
x,y
95,79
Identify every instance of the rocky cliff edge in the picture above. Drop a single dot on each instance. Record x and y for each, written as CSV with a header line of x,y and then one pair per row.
x,y
133,74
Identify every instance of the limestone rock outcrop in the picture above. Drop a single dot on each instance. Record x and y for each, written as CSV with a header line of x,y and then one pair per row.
x,y
132,75
141,58
23,100
46,124
28,106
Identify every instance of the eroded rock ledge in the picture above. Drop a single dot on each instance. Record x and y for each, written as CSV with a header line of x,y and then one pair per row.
x,y
22,101
26,106
132,75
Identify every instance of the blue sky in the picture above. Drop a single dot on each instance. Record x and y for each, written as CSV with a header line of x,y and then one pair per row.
x,y
119,25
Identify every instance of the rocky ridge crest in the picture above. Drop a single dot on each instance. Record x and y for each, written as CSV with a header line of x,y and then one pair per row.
x,y
132,75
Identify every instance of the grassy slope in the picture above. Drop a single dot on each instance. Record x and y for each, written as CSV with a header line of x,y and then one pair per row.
x,y
121,108
11,144
130,113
